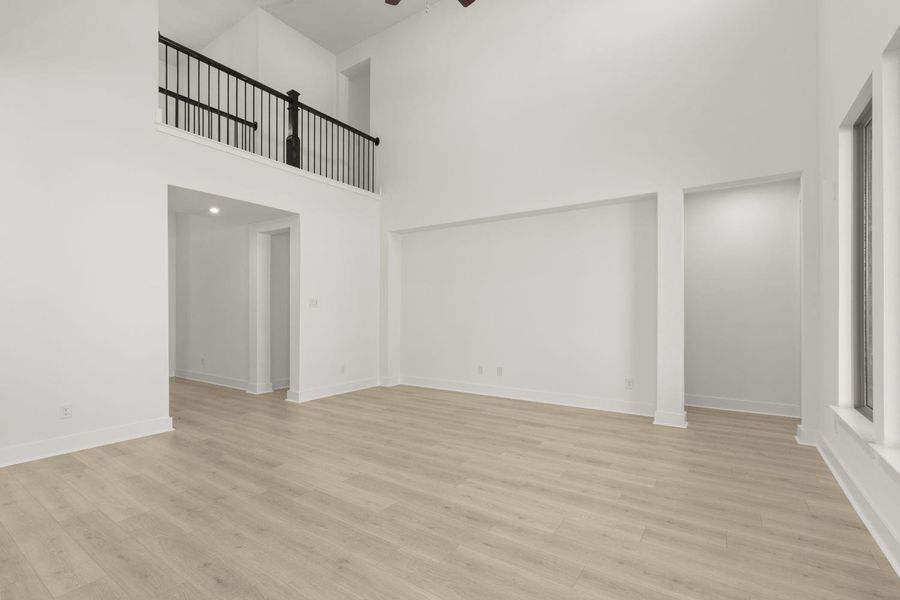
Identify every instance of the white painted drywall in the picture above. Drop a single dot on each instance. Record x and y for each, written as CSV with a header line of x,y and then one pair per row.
x,y
852,38
85,316
339,258
212,300
173,297
237,47
742,298
564,303
510,106
289,60
279,309
264,48
358,90
515,105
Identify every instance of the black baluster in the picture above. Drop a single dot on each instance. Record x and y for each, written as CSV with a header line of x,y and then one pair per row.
x,y
177,83
199,125
166,95
187,105
253,139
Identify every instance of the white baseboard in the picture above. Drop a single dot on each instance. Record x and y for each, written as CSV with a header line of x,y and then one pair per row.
x,y
258,389
743,405
879,528
281,384
390,381
237,384
670,419
12,455
804,438
326,391
560,399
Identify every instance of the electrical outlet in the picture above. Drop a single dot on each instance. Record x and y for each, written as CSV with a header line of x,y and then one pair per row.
x,y
65,412
343,369
499,371
314,303
480,370
629,383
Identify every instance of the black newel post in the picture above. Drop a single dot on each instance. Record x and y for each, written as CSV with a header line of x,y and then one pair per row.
x,y
293,139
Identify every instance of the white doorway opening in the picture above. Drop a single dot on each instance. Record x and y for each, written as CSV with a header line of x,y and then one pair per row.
x,y
233,293
274,310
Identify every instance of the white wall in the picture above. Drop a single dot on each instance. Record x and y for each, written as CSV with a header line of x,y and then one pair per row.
x,y
564,303
339,262
212,300
289,60
173,298
852,39
742,298
358,92
279,309
263,47
85,315
513,106
594,101
238,46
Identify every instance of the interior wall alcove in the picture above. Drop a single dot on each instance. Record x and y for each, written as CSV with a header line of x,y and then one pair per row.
x,y
743,298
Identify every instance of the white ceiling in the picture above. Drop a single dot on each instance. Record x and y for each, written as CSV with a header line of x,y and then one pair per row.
x,y
190,202
341,24
334,24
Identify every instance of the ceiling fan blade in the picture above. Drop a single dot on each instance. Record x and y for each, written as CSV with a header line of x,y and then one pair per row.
x,y
465,2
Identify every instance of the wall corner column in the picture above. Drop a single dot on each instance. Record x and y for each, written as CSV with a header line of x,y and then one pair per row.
x,y
391,308
886,186
670,310
259,379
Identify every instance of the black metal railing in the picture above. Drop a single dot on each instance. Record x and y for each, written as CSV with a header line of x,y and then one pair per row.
x,y
205,97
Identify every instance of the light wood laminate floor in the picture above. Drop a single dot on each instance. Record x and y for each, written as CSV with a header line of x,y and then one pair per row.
x,y
405,493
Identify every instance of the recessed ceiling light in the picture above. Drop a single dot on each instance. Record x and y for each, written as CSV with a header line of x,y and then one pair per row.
x,y
214,210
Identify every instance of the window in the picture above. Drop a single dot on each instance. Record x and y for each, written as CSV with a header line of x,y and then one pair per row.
x,y
863,210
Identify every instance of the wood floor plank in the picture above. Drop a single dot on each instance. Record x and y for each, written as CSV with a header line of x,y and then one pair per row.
x,y
414,494
60,563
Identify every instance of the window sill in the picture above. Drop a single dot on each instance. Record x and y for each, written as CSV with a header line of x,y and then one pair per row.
x,y
856,422
891,459
864,430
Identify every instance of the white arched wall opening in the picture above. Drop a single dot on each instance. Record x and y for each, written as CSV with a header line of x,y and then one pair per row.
x,y
260,359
